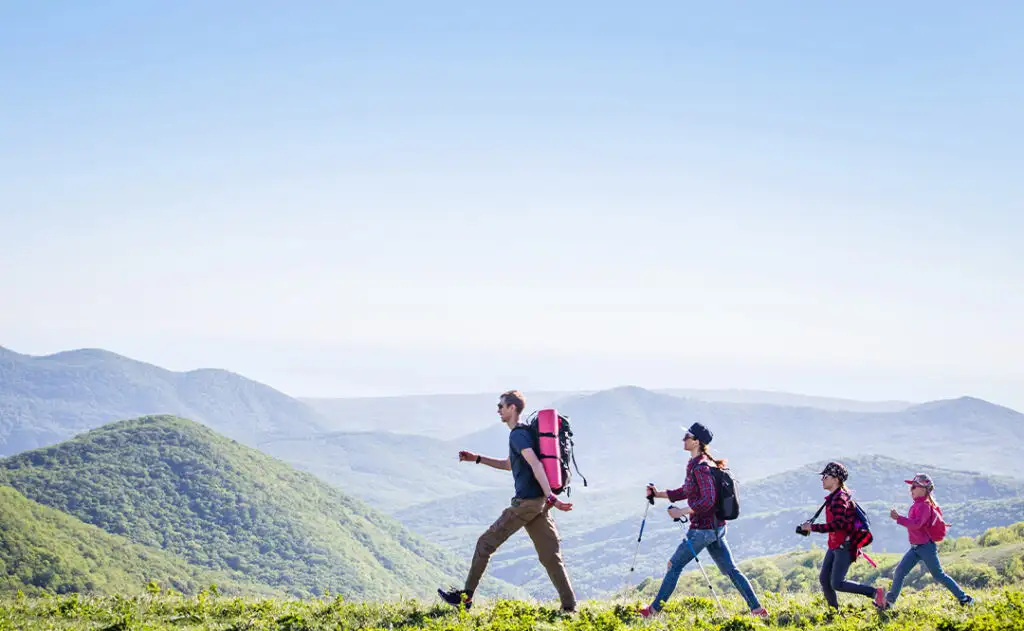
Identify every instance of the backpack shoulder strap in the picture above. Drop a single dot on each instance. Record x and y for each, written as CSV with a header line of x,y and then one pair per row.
x,y
525,428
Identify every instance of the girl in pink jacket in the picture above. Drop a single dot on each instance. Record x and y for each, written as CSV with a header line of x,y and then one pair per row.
x,y
925,527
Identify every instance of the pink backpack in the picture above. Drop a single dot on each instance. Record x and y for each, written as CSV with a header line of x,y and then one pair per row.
x,y
936,529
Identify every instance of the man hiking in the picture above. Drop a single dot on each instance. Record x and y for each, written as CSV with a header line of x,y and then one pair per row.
x,y
529,509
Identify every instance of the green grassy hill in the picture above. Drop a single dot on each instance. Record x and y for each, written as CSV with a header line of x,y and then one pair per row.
x,y
176,485
47,551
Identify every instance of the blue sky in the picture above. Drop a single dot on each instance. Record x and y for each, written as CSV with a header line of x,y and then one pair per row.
x,y
387,198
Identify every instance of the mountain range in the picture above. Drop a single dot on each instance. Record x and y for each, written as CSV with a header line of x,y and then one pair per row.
x,y
47,399
453,415
397,456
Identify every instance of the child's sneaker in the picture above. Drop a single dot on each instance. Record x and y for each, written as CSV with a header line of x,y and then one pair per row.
x,y
880,600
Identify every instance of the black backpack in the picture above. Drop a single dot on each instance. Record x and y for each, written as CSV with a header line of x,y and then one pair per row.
x,y
565,447
727,505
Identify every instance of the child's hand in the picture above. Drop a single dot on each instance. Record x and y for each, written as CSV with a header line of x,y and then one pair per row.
x,y
894,515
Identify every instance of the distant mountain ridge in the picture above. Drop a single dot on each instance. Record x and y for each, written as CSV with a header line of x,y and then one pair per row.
x,y
632,430
623,434
440,416
47,399
785,399
461,414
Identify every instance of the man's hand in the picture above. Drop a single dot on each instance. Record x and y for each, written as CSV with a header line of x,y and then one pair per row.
x,y
559,504
677,513
806,526
467,456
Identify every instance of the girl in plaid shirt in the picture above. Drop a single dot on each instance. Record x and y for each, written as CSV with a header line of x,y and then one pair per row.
x,y
706,530
844,541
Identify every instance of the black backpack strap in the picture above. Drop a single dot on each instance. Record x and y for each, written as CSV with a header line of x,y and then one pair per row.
x,y
526,427
576,466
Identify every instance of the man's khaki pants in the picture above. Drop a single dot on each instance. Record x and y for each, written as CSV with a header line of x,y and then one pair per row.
x,y
533,515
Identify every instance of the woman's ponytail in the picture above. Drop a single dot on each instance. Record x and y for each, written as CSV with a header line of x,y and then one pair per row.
x,y
720,463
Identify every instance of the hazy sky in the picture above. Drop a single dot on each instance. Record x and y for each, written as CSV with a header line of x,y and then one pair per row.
x,y
365,198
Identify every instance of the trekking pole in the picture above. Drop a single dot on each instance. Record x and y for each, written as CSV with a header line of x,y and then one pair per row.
x,y
650,502
689,545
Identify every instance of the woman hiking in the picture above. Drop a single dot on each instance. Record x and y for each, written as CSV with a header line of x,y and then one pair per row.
x,y
706,530
844,539
923,516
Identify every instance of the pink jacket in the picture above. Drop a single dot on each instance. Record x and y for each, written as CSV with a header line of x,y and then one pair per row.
x,y
917,521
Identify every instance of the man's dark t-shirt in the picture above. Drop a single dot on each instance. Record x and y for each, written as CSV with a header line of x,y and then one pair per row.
x,y
527,485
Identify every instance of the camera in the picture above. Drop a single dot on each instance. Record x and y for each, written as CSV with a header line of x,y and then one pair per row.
x,y
801,532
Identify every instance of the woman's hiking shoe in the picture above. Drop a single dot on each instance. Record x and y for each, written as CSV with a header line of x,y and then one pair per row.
x,y
760,612
647,612
454,597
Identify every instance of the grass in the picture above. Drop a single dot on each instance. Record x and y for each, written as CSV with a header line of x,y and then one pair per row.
x,y
931,608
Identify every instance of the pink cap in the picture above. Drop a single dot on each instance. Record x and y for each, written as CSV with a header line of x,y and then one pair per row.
x,y
922,480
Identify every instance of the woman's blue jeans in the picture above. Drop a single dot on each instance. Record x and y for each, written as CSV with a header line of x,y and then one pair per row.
x,y
928,554
714,542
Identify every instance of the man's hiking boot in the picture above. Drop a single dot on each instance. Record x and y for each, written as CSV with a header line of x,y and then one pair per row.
x,y
967,602
454,597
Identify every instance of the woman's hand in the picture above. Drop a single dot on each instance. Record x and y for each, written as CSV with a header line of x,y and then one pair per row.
x,y
678,513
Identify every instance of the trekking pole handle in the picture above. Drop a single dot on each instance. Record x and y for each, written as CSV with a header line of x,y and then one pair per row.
x,y
650,496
